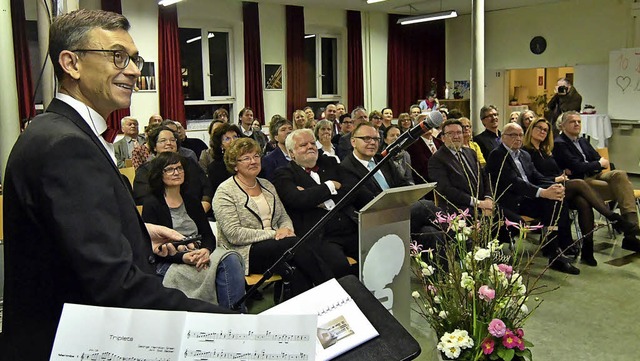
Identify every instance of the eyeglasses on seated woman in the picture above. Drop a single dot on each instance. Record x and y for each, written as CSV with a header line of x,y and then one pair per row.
x,y
206,272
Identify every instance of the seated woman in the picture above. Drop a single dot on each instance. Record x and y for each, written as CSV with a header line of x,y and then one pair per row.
x,y
323,133
402,161
513,118
299,118
142,153
220,141
163,139
404,122
206,157
467,140
526,118
538,141
207,273
252,220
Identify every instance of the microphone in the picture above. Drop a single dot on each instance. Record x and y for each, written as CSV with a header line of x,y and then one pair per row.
x,y
432,120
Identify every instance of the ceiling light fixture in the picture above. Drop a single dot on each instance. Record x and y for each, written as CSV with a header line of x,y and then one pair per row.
x,y
310,36
374,1
168,2
428,17
209,36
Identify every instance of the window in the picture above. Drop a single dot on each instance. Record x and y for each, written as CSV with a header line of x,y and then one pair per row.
x,y
321,57
206,65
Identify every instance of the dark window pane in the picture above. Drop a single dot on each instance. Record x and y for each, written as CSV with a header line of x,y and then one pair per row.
x,y
203,111
310,60
219,63
191,63
329,66
34,58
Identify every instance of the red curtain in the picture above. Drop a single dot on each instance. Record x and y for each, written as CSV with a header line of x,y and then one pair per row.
x,y
26,107
170,81
355,79
416,55
253,96
113,122
296,67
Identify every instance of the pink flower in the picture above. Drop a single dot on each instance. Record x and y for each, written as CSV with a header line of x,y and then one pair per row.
x,y
487,346
510,340
486,293
520,344
432,289
522,226
520,332
415,248
506,269
497,328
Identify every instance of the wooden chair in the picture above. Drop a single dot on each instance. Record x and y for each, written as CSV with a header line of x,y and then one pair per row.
x,y
128,163
130,173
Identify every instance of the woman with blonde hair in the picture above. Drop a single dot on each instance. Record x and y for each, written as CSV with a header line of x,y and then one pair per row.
x,y
298,119
467,140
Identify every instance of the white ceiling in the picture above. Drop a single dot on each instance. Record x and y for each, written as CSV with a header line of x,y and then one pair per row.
x,y
415,7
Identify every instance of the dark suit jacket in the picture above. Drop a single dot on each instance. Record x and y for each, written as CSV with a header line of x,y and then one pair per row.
x,y
72,234
195,144
156,211
354,171
510,187
302,205
453,182
569,157
344,146
271,162
487,141
420,154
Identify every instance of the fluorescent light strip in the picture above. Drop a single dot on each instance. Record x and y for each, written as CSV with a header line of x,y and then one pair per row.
x,y
168,2
310,36
209,36
374,1
428,17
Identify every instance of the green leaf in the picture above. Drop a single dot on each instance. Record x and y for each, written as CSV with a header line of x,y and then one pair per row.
x,y
527,344
506,353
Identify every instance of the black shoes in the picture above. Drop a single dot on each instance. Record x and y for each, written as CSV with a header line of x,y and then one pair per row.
x,y
623,226
588,259
631,243
562,264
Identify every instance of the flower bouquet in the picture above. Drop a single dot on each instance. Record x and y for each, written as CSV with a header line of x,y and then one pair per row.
x,y
472,294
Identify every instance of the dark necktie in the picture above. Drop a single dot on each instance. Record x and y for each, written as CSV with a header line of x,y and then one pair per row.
x,y
312,169
466,167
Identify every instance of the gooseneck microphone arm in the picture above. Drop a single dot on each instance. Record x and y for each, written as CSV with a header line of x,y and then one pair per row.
x,y
288,254
432,120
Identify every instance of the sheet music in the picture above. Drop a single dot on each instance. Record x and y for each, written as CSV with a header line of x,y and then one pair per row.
x,y
100,333
341,324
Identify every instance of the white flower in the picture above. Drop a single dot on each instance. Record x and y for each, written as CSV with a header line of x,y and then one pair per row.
x,y
467,231
451,344
443,314
428,271
524,309
423,264
415,294
462,339
460,237
494,245
432,310
466,281
482,254
437,299
462,223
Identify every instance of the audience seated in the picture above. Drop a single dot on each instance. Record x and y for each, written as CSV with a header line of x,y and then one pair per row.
x,y
142,153
489,139
155,119
208,273
467,141
526,118
309,114
404,122
206,157
387,117
279,128
245,121
299,118
414,112
402,161
131,139
185,152
521,189
331,115
220,141
309,187
538,141
221,114
513,118
582,161
252,220
195,144
358,115
323,133
163,139
420,152
346,126
431,103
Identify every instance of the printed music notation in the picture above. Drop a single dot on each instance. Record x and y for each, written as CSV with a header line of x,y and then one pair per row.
x,y
256,355
249,336
152,335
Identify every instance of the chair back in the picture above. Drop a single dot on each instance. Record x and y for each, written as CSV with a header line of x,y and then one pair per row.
x,y
604,153
130,173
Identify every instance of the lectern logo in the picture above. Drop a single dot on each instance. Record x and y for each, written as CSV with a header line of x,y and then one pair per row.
x,y
381,266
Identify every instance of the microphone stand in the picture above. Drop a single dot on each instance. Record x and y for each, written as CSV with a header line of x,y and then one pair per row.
x,y
394,149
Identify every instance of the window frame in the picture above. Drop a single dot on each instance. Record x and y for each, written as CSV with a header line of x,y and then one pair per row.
x,y
320,97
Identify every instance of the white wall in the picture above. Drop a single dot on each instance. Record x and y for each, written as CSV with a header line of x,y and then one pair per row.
x,y
375,35
273,48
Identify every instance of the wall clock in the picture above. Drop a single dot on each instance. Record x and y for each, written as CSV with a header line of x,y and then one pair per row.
x,y
538,45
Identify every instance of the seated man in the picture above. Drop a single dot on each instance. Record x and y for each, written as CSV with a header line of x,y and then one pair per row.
x,y
279,128
420,152
309,187
358,115
132,138
578,156
357,164
523,190
490,138
195,144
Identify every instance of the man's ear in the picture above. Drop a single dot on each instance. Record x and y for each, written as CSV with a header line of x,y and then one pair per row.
x,y
69,63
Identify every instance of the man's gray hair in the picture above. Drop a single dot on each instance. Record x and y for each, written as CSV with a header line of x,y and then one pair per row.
x,y
486,109
565,116
70,31
356,110
124,119
290,143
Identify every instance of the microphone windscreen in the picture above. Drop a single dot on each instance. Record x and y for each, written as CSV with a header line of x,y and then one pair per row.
x,y
434,119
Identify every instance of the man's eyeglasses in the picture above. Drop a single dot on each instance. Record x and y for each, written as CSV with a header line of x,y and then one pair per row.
x,y
494,115
164,141
515,135
248,159
347,122
368,139
173,170
121,58
542,129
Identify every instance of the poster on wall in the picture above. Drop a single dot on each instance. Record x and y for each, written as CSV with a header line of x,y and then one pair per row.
x,y
273,76
461,89
147,79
